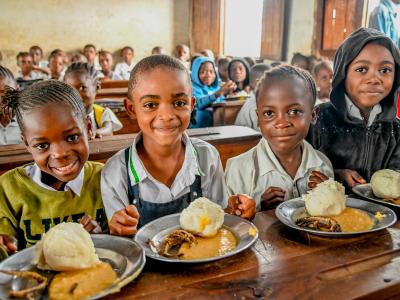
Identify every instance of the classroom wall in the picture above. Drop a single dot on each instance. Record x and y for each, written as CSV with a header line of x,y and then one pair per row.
x,y
70,24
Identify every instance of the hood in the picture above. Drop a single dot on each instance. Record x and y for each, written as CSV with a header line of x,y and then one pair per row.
x,y
246,65
345,54
195,74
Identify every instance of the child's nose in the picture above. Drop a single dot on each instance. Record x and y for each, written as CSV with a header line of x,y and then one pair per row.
x,y
374,77
166,112
281,121
58,151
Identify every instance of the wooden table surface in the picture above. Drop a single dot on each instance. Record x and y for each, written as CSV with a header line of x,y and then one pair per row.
x,y
224,113
283,264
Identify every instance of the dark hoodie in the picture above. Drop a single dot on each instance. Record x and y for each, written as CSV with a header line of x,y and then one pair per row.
x,y
348,142
246,82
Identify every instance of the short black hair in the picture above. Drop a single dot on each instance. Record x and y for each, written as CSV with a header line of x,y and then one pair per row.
x,y
85,69
40,94
22,54
90,46
257,71
320,66
151,63
127,48
289,72
35,47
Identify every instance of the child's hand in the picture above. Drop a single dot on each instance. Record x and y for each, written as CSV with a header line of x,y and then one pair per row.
x,y
241,205
124,222
315,178
272,197
90,225
8,242
351,177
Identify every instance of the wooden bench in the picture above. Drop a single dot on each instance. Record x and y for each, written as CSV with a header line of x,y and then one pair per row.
x,y
113,89
229,140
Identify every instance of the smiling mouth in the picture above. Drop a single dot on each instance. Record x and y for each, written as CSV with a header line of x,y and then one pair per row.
x,y
65,169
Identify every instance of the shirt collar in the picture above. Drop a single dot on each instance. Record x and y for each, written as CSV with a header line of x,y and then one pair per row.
x,y
268,162
354,111
75,184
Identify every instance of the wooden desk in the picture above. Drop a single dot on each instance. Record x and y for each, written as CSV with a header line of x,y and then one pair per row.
x,y
283,264
224,113
113,89
229,141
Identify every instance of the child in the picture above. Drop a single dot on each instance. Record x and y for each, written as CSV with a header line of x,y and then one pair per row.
x,y
106,62
207,90
39,64
223,63
301,61
158,50
57,66
9,129
247,115
239,73
163,170
84,78
61,185
322,73
78,58
90,53
123,69
358,129
283,165
182,52
26,72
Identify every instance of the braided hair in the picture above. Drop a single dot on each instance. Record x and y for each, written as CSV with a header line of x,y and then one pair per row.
x,y
289,72
39,95
7,76
85,69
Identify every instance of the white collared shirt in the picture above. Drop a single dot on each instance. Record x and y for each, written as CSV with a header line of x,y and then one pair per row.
x,y
247,115
107,116
11,134
354,111
201,158
75,185
123,70
256,170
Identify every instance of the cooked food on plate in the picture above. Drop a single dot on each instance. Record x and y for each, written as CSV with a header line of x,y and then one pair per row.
x,y
386,184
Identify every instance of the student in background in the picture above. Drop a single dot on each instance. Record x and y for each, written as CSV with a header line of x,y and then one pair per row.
x,y
385,18
358,129
39,64
208,53
323,73
107,62
163,170
9,129
61,185
247,115
223,64
26,71
301,61
57,66
283,165
182,52
250,61
124,68
239,73
90,53
157,50
78,58
207,90
85,79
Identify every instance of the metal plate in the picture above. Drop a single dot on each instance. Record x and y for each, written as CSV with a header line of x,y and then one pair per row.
x,y
124,255
365,191
157,230
289,211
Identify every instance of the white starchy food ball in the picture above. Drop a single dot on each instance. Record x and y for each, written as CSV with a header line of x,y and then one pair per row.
x,y
66,246
202,217
386,184
326,199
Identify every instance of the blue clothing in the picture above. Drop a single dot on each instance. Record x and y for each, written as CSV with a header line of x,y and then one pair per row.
x,y
204,94
383,18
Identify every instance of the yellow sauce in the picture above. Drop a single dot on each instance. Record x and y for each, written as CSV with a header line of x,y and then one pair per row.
x,y
223,242
81,284
353,220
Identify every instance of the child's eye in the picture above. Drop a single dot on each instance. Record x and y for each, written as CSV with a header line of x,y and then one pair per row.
x,y
180,103
82,88
268,114
386,70
73,138
41,146
150,105
361,70
294,112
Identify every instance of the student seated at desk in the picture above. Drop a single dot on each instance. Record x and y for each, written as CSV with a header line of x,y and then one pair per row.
x,y
283,165
239,73
163,170
61,185
39,64
84,78
107,62
207,90
124,68
9,129
26,70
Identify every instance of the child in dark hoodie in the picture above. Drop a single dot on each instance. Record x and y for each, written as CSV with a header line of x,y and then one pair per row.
x,y
239,73
207,89
358,129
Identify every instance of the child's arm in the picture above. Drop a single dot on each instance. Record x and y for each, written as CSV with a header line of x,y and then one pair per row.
x,y
272,197
124,222
105,130
315,178
350,177
9,242
226,89
241,205
90,225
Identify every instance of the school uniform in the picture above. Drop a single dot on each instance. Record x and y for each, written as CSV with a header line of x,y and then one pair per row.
x,y
247,115
256,170
99,115
11,134
123,70
33,75
125,181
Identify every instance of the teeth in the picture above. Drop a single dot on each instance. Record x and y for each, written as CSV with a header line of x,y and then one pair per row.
x,y
65,168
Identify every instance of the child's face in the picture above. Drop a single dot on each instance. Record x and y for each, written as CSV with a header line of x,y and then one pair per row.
x,y
324,82
127,56
56,65
207,73
106,62
285,112
183,53
90,54
57,141
162,110
26,64
370,76
223,72
36,56
86,88
238,72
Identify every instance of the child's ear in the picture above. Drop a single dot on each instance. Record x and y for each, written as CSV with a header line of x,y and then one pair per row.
x,y
130,108
314,115
25,142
